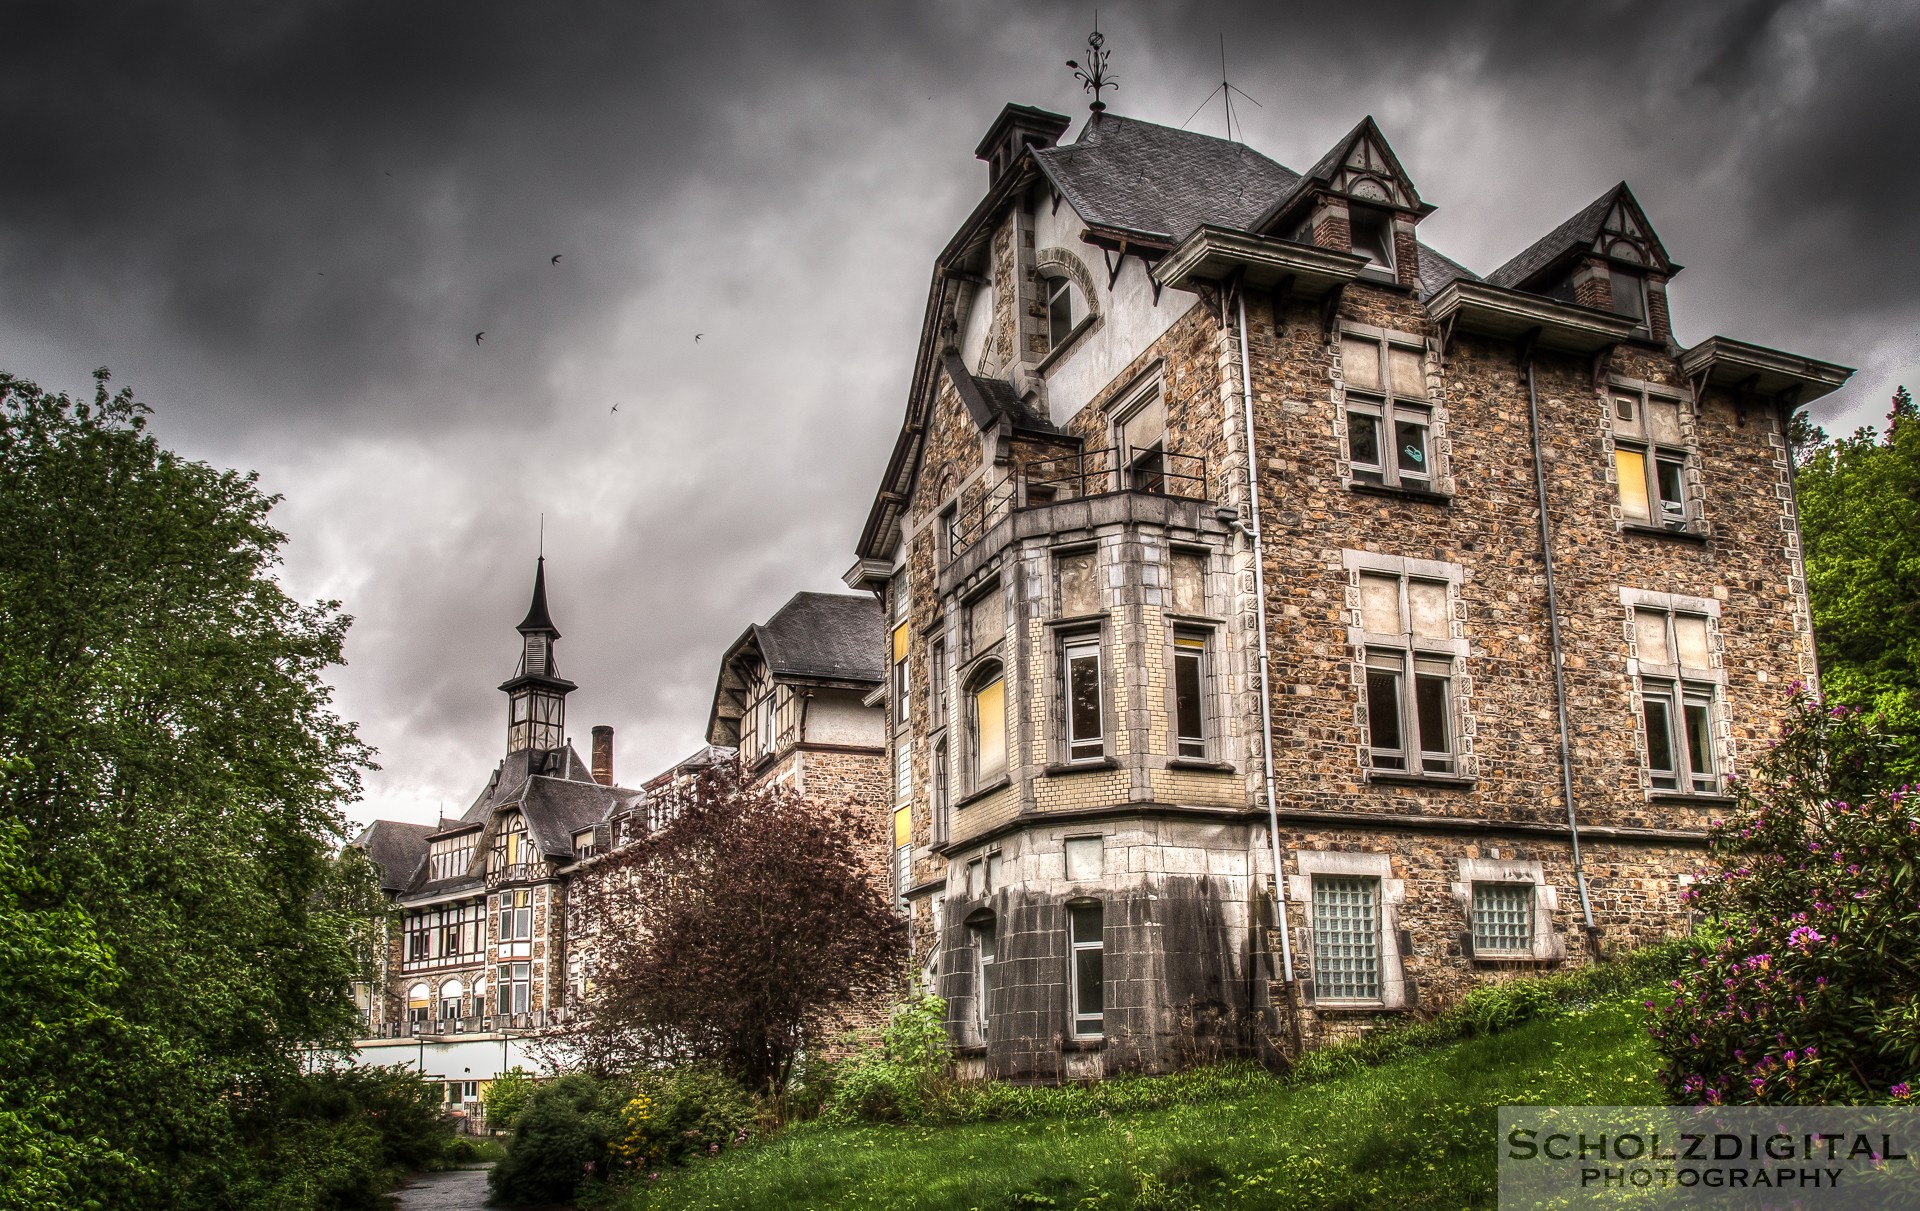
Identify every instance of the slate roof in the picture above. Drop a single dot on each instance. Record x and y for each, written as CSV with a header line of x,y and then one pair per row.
x,y
538,619
1437,270
397,849
835,636
1159,181
1580,231
992,399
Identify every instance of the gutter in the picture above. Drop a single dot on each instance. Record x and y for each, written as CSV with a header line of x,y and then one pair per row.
x,y
1553,635
1260,616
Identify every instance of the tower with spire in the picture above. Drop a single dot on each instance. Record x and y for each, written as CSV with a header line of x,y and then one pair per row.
x,y
536,693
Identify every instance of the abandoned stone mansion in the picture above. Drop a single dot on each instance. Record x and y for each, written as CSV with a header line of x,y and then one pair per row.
x,y
1234,532
1264,625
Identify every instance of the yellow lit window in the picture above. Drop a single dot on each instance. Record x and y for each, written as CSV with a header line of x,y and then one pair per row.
x,y
990,712
1631,466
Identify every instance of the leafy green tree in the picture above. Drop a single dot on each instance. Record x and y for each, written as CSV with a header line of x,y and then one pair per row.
x,y
172,775
1860,520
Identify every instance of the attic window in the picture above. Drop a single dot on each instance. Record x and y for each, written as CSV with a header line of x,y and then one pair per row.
x,y
1372,235
1629,293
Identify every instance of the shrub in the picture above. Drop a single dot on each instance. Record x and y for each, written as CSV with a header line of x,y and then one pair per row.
x,y
506,1095
560,1140
337,1139
1805,987
680,1113
900,1082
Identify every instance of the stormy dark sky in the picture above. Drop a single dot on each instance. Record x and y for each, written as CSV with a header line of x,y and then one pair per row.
x,y
283,224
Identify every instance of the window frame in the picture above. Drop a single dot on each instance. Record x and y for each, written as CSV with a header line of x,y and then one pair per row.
x,y
983,934
1194,643
1380,218
1412,661
1084,1022
1387,410
1071,647
1057,291
980,677
1324,939
1527,894
1654,455
1681,688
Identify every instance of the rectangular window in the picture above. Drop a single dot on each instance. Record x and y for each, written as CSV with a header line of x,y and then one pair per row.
x,y
515,988
1650,458
900,698
1089,970
1388,415
1674,654
942,795
1629,288
902,854
1346,938
983,971
1409,672
1503,918
1141,439
516,916
1080,666
1059,310
1079,584
938,658
1371,230
1189,701
902,770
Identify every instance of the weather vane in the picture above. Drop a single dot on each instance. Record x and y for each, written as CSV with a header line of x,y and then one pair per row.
x,y
1093,77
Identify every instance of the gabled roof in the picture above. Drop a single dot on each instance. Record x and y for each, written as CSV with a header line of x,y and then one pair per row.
x,y
1578,234
832,637
557,808
1362,152
396,849
1161,182
511,776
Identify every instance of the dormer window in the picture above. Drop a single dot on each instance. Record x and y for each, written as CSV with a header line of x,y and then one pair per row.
x,y
1629,293
1372,233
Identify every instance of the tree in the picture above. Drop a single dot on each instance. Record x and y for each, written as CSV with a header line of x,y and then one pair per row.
x,y
746,919
1803,985
171,772
1860,520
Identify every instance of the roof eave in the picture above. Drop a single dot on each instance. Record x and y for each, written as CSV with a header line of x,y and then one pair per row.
x,y
1496,311
1211,254
1737,365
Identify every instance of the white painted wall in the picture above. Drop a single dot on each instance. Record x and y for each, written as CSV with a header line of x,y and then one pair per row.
x,y
1131,319
836,717
973,330
472,1057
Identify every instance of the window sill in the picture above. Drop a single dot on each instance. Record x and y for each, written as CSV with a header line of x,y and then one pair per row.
x,y
1704,798
970,1050
1508,958
1368,1008
1080,767
1084,1042
1394,777
1695,537
1423,495
1201,766
998,784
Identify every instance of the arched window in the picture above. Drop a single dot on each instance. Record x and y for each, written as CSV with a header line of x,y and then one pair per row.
x,y
450,993
987,724
419,1002
1062,314
1087,979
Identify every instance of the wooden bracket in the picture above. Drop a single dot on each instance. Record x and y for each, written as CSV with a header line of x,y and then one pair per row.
x,y
1114,267
1330,309
1600,361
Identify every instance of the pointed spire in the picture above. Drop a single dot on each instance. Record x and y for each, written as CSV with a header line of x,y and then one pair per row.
x,y
537,619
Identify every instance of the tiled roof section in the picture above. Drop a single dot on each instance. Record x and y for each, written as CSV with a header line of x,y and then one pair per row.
x,y
397,849
1577,232
701,759
1160,181
1437,270
834,636
510,778
992,399
556,808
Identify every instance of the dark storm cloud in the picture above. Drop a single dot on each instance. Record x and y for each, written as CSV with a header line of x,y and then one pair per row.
x,y
283,225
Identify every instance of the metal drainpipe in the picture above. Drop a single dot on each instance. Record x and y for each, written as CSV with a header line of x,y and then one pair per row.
x,y
1553,636
1260,614
1793,498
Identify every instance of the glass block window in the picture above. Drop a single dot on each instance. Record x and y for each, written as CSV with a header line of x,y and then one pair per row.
x,y
1346,938
1502,916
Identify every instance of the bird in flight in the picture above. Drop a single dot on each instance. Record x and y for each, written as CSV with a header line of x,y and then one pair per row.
x,y
697,336
556,258
612,410
478,337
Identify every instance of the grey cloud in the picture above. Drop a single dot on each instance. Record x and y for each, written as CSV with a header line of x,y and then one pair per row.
x,y
181,177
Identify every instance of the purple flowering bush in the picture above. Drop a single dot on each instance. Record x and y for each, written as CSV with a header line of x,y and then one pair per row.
x,y
1803,984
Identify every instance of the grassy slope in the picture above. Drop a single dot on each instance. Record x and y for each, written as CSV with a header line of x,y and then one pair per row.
x,y
1414,1133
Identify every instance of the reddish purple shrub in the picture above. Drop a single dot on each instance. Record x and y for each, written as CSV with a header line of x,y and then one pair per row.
x,y
1804,982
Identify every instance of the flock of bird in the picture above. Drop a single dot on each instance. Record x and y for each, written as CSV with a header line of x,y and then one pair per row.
x,y
481,336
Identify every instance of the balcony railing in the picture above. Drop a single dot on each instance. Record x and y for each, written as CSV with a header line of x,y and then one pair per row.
x,y
538,1019
973,520
519,872
1093,472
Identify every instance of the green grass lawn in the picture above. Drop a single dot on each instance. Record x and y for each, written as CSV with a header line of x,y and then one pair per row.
x,y
1417,1132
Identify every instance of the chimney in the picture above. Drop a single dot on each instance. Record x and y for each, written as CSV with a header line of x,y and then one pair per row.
x,y
1017,128
603,755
